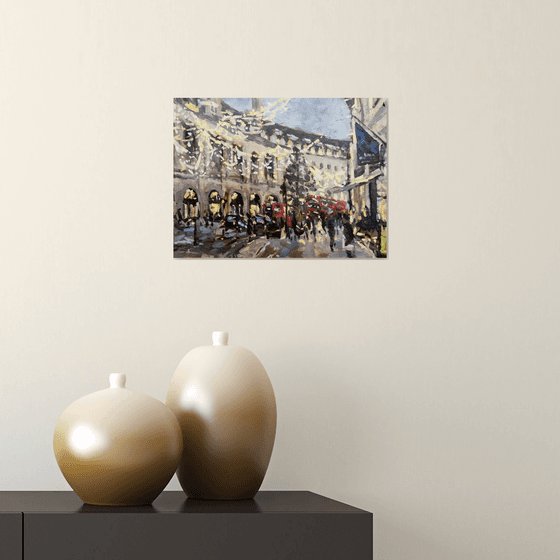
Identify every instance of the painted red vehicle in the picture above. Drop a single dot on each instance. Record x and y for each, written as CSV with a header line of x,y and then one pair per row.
x,y
340,206
319,206
314,207
274,210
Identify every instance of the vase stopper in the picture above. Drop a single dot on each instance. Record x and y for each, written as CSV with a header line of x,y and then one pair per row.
x,y
117,380
220,338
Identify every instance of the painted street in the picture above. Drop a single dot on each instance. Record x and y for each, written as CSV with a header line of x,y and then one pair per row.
x,y
212,241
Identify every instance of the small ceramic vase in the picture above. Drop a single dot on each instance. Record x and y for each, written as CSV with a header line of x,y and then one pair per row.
x,y
118,447
225,404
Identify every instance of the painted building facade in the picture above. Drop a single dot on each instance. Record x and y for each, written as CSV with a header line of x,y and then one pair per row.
x,y
367,185
232,162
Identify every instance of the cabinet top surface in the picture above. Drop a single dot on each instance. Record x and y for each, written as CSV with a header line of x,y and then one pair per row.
x,y
176,502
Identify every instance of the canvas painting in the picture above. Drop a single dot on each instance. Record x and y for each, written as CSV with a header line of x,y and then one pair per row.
x,y
302,178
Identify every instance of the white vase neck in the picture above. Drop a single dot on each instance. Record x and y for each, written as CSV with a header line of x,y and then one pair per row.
x,y
220,338
117,380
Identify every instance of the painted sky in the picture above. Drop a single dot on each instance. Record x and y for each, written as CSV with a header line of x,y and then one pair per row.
x,y
323,115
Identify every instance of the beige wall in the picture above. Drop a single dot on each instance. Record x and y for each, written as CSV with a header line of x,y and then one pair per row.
x,y
424,388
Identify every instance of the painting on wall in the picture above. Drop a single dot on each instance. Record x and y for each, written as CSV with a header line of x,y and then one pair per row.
x,y
280,177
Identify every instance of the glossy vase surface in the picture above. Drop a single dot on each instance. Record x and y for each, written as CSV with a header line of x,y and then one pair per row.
x,y
118,447
225,404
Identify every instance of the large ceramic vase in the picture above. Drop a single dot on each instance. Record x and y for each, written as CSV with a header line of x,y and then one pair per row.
x,y
225,404
118,447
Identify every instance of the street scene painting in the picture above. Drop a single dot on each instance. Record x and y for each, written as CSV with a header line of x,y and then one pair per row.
x,y
280,177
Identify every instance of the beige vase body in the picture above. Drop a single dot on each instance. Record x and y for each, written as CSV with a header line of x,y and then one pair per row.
x,y
225,404
118,447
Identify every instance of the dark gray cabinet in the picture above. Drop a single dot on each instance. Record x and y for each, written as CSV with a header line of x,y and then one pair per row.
x,y
273,526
